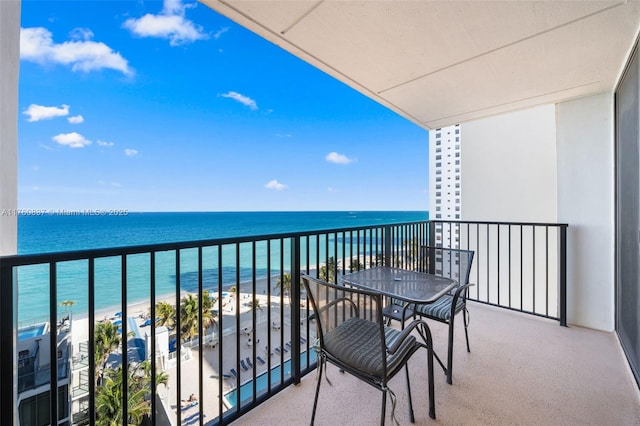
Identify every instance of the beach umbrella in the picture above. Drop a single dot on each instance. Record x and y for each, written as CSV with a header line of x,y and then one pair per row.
x,y
117,314
67,304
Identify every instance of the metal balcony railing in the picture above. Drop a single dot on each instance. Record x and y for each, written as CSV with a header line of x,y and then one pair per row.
x,y
251,315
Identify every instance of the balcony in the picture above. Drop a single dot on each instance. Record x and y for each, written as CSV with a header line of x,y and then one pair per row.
x,y
521,370
254,349
525,367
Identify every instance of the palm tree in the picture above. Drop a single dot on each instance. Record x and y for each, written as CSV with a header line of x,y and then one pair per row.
x,y
329,270
107,339
356,265
110,395
165,315
411,249
284,283
190,313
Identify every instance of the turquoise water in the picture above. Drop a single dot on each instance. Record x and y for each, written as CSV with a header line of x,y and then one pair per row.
x,y
29,332
246,389
54,233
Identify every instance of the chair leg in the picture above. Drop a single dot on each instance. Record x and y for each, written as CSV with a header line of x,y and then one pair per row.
x,y
411,416
315,401
466,325
431,385
450,354
384,407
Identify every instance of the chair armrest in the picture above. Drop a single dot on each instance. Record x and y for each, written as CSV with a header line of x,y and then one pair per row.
x,y
458,292
406,331
335,302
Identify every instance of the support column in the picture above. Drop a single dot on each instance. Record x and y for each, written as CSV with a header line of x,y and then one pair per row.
x,y
9,68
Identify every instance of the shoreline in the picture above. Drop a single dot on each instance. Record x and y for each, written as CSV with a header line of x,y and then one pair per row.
x,y
80,329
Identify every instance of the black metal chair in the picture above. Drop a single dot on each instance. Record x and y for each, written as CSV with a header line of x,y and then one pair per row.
x,y
450,263
351,334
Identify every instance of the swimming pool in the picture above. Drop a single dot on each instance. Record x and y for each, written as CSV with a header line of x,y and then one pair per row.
x,y
246,389
31,331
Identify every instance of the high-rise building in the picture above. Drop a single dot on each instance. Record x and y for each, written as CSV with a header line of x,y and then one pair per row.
x,y
445,185
34,372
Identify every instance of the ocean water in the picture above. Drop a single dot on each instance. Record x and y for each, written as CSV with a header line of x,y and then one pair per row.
x,y
54,233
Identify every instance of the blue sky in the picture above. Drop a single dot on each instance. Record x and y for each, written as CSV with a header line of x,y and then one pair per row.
x,y
169,106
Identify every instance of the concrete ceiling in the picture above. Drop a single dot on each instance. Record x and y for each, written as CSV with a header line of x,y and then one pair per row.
x,y
444,62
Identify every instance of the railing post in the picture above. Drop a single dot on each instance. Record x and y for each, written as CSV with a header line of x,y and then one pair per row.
x,y
563,276
432,233
8,368
295,309
388,245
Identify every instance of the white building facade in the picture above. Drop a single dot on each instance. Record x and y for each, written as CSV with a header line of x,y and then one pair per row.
x,y
445,182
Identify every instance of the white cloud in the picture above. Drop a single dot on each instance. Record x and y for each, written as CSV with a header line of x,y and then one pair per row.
x,y
274,184
116,184
37,45
72,140
334,157
47,147
244,100
81,34
76,119
104,143
170,23
283,135
130,152
39,112
220,32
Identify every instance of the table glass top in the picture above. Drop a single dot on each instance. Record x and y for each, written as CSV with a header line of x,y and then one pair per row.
x,y
411,286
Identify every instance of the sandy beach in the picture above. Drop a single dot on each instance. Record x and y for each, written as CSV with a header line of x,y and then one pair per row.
x,y
272,329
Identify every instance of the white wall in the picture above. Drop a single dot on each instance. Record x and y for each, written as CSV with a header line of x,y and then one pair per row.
x,y
9,66
586,201
553,163
509,167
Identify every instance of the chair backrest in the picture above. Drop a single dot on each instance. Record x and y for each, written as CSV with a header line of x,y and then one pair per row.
x,y
447,262
335,306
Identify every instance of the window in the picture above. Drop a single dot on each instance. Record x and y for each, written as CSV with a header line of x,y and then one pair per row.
x,y
457,177
35,410
438,164
438,135
457,162
438,215
438,186
457,208
457,154
457,216
438,149
457,185
438,157
438,201
457,193
438,194
438,208
438,172
438,179
457,131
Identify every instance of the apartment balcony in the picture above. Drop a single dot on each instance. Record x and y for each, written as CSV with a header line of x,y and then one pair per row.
x,y
522,370
255,363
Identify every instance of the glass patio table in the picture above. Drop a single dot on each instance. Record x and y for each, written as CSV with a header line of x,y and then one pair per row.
x,y
410,287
